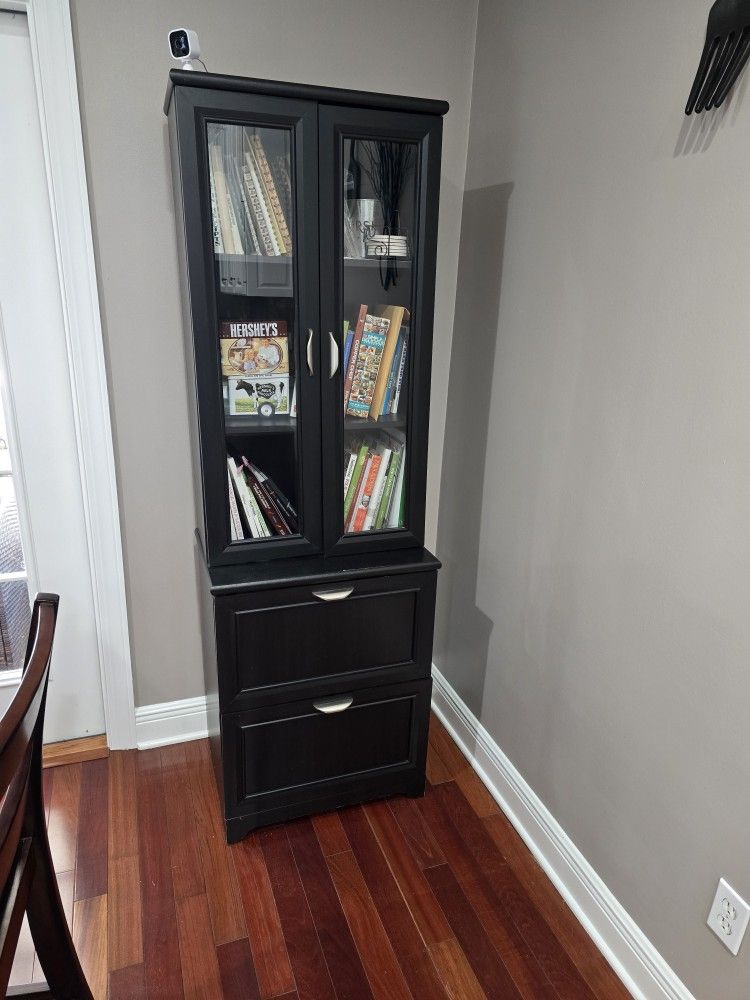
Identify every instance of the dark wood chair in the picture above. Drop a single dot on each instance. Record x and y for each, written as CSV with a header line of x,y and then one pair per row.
x,y
27,876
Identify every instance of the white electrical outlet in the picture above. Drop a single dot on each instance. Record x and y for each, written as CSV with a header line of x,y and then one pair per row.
x,y
729,916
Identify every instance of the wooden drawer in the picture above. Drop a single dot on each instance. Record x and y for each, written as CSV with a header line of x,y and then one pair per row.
x,y
277,645
290,760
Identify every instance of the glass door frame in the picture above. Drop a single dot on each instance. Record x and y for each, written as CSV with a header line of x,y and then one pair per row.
x,y
195,108
336,123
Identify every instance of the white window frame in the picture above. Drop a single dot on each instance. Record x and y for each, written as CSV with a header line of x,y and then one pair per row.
x,y
53,58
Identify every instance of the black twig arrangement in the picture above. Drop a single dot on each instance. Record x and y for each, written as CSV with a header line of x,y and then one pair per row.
x,y
387,165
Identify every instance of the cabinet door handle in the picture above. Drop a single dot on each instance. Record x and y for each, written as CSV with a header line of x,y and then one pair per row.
x,y
310,351
333,595
329,706
334,355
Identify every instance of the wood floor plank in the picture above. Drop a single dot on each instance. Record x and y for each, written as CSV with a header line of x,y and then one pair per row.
x,y
457,975
579,946
415,961
416,832
476,794
381,967
200,967
123,810
416,891
124,911
344,963
62,828
91,860
90,937
502,932
238,979
330,833
187,871
222,891
264,930
161,950
437,772
305,953
488,967
128,983
445,747
549,953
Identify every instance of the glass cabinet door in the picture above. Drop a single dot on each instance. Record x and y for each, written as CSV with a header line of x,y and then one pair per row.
x,y
258,379
380,327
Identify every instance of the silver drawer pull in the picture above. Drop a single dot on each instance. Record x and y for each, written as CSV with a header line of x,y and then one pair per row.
x,y
333,595
329,706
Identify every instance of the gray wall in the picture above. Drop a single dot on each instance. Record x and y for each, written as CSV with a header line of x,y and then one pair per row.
x,y
420,47
596,495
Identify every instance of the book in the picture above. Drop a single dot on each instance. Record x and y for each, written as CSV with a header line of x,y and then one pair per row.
x,y
235,523
279,522
401,372
216,162
367,366
385,409
355,481
255,521
282,177
272,195
270,513
348,337
395,516
285,504
377,489
353,352
215,224
390,482
254,349
351,462
363,501
249,230
395,316
258,201
357,498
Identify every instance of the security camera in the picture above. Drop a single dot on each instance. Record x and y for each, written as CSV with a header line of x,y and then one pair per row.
x,y
184,46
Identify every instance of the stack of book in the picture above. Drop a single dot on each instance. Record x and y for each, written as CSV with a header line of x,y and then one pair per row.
x,y
375,353
257,507
374,482
251,204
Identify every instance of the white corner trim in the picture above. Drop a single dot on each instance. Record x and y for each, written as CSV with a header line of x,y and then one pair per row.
x,y
53,59
627,949
171,722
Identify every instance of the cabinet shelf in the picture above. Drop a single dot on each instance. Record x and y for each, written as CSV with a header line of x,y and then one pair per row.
x,y
392,422
245,426
375,262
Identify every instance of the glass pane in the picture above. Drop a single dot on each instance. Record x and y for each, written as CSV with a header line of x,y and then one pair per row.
x,y
379,222
251,177
15,607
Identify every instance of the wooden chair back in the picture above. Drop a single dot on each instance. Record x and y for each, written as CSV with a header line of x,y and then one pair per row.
x,y
27,878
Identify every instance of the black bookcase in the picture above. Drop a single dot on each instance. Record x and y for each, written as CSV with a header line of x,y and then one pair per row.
x,y
307,229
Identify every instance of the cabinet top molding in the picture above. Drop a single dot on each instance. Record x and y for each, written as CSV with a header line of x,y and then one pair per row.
x,y
301,91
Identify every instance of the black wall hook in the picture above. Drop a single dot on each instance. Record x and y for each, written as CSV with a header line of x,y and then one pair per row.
x,y
724,55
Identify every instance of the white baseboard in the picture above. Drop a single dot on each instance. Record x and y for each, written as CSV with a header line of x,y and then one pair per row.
x,y
627,949
171,722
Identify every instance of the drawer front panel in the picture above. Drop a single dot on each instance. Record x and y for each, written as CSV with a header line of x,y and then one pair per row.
x,y
277,644
297,752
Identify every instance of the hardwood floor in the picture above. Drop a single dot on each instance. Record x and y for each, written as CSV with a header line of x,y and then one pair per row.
x,y
423,898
